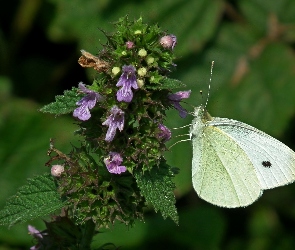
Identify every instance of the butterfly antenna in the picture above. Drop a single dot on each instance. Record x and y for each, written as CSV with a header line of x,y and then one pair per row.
x,y
209,86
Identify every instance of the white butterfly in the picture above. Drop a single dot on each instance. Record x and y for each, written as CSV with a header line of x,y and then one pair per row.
x,y
234,162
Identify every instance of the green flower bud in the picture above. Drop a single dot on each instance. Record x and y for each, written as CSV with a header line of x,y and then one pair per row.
x,y
137,32
124,53
140,83
142,52
150,60
141,71
116,70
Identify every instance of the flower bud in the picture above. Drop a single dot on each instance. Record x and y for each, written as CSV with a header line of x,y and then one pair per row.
x,y
140,83
56,170
168,41
142,53
129,45
137,32
141,71
150,60
124,53
165,133
116,70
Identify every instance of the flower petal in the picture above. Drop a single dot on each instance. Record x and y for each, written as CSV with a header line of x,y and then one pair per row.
x,y
113,162
110,133
181,110
82,113
114,121
117,169
127,81
178,96
124,94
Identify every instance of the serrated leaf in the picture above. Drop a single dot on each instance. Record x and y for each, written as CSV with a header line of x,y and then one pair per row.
x,y
36,199
157,188
63,104
167,83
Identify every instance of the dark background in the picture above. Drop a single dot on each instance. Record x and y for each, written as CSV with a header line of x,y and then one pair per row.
x,y
252,44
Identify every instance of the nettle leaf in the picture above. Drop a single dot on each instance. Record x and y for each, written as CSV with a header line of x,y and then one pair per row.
x,y
63,104
36,199
157,187
167,83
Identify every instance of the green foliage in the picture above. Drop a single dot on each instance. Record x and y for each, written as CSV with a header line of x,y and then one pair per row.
x,y
94,194
200,227
168,83
247,39
63,104
194,22
157,187
36,199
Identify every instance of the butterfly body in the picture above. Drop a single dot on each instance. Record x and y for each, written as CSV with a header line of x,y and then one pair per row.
x,y
234,162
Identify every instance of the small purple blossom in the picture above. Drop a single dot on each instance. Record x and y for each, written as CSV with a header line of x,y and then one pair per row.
x,y
165,133
129,45
176,98
168,41
114,121
113,162
86,103
127,80
34,232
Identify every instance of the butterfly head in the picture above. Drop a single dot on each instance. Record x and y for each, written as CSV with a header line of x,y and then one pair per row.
x,y
202,113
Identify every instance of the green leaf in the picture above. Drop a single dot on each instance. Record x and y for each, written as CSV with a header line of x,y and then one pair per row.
x,y
167,83
63,104
263,15
36,199
157,188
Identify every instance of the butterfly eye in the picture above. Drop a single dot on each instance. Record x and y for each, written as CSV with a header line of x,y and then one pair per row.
x,y
266,164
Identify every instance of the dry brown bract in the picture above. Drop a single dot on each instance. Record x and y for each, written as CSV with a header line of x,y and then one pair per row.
x,y
87,60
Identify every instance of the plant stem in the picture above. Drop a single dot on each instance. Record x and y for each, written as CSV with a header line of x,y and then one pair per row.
x,y
88,233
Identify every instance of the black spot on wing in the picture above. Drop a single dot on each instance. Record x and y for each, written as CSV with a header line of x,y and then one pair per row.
x,y
266,164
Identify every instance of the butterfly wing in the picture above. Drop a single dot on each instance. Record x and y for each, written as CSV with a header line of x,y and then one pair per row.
x,y
274,162
222,173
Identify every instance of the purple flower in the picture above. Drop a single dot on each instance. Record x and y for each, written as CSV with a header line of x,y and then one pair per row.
x,y
113,162
168,41
127,80
165,133
176,98
114,121
37,247
86,103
